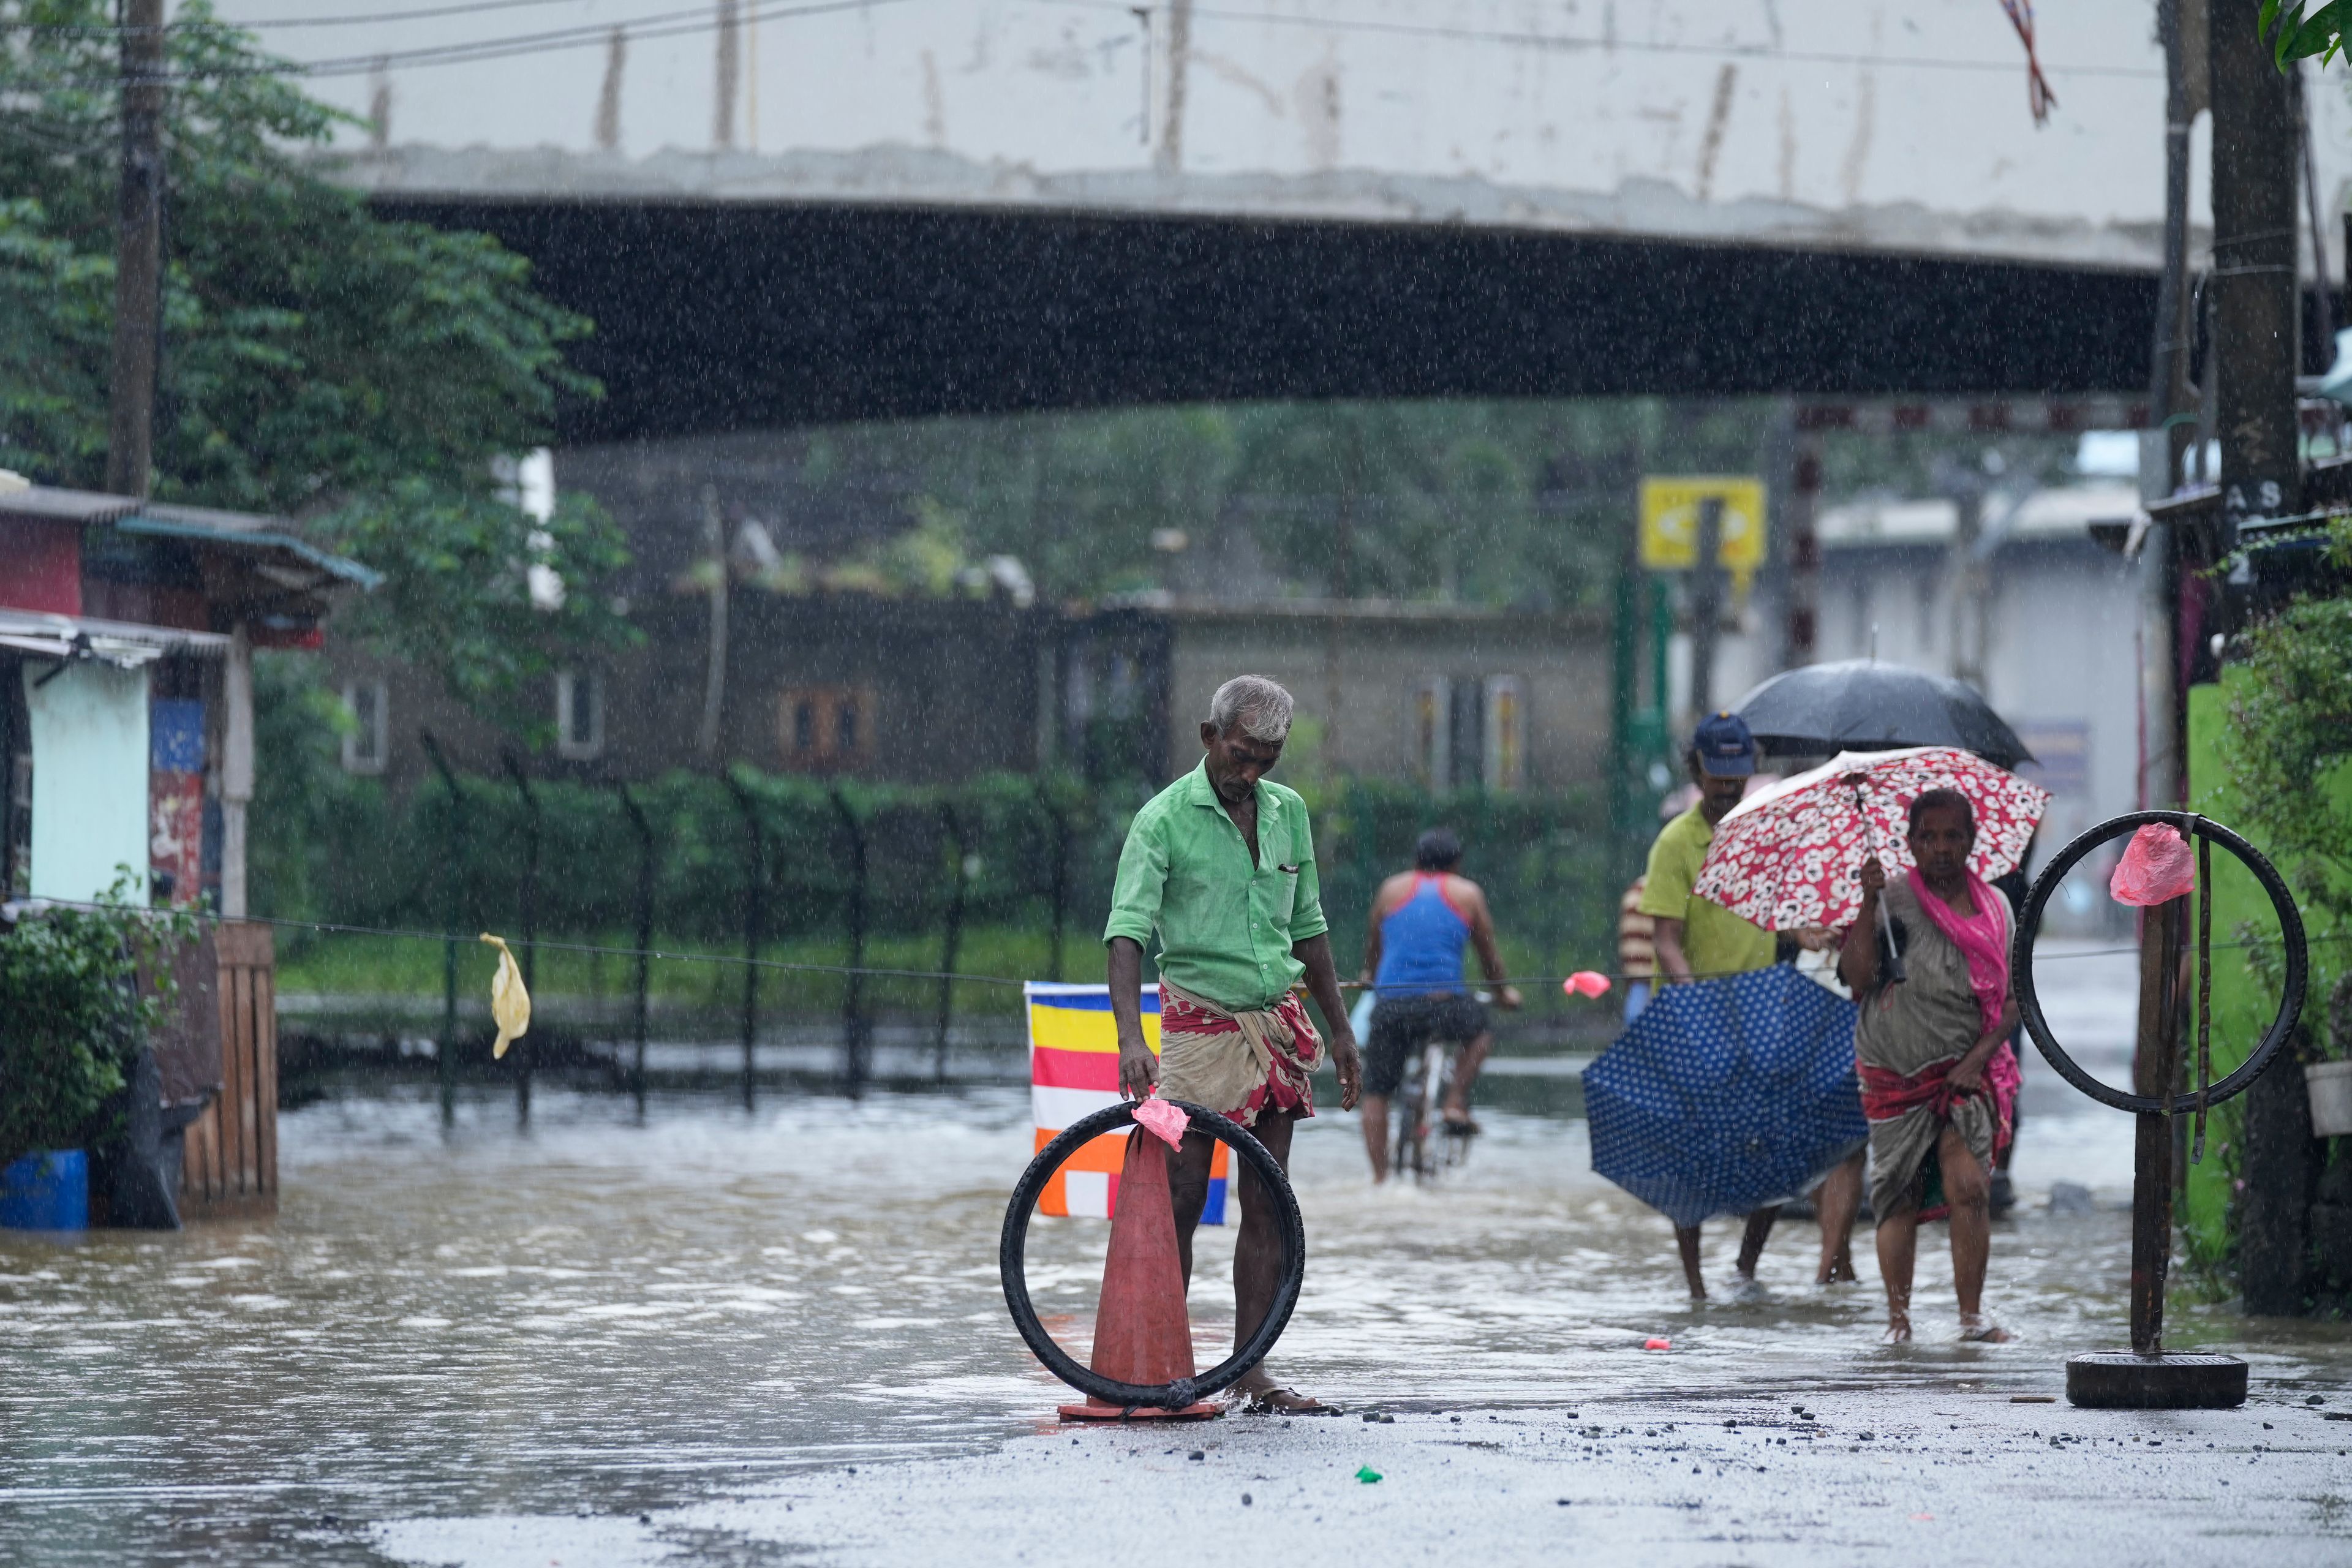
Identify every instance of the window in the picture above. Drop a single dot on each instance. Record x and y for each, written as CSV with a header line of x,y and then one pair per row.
x,y
579,715
820,728
1506,747
365,744
1472,733
1433,713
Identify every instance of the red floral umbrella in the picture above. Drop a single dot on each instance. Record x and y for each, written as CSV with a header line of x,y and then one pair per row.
x,y
1793,857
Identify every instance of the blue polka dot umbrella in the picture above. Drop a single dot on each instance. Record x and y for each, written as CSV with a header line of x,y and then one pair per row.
x,y
1726,1095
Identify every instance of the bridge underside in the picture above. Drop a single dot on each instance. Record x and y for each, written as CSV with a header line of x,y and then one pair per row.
x,y
711,318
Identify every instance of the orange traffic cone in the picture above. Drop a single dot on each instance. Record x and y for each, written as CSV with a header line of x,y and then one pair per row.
x,y
1143,1333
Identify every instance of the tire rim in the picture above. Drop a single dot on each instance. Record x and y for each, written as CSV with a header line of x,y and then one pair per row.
x,y
1012,1263
2290,918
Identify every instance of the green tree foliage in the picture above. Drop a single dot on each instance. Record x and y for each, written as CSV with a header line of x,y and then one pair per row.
x,y
1519,502
2289,752
73,1015
317,360
2295,35
1480,501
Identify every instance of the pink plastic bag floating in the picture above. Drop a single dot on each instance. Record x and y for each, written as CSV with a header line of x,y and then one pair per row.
x,y
2156,867
1164,1120
1586,983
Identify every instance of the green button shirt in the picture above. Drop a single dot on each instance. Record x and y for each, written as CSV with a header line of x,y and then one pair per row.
x,y
1225,926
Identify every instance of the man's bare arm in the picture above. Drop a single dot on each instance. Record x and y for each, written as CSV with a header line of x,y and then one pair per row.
x,y
1323,985
1668,937
1139,1069
1858,958
1490,955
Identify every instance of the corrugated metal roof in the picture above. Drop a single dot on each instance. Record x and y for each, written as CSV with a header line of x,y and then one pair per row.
x,y
41,503
125,643
258,531
243,528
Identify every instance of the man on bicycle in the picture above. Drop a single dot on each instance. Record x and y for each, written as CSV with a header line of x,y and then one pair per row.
x,y
1412,960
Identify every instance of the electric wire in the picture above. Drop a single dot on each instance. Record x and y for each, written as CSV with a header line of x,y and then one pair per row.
x,y
659,27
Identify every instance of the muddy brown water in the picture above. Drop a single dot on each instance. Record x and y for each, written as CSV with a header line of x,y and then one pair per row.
x,y
605,1316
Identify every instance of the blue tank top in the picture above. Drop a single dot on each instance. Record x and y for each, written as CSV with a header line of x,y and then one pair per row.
x,y
1421,943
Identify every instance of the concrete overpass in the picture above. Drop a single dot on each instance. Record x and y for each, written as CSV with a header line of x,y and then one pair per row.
x,y
833,209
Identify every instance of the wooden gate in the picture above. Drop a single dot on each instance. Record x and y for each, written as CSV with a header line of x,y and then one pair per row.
x,y
230,1166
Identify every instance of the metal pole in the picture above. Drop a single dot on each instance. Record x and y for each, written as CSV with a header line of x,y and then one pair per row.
x,y
1058,851
2323,297
1967,581
2168,394
1624,675
139,254
953,942
454,872
855,1065
1805,549
528,899
645,933
2154,1069
1707,605
755,909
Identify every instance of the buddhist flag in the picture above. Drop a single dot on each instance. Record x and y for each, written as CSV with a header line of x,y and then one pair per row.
x,y
1072,1073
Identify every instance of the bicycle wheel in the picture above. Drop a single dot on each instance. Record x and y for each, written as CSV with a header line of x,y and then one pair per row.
x,y
1426,1104
1455,1140
1412,1130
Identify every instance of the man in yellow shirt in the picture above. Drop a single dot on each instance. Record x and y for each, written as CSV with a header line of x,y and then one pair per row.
x,y
1699,939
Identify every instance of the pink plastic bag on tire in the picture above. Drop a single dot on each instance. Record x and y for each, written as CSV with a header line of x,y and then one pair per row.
x,y
1163,1119
2158,866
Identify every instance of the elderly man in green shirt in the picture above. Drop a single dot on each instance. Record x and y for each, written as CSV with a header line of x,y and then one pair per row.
x,y
1699,939
1220,865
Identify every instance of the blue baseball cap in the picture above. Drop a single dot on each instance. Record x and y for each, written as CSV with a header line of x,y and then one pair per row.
x,y
1726,749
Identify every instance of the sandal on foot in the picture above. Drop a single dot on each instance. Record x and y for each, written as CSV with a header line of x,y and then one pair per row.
x,y
1978,1329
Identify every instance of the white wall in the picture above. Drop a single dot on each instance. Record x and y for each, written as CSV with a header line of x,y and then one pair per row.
x,y
90,778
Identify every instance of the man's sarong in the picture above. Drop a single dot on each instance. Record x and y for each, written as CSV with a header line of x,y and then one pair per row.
x,y
1237,1061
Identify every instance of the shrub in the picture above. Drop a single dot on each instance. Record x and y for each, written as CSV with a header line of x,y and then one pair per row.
x,y
73,1017
2290,754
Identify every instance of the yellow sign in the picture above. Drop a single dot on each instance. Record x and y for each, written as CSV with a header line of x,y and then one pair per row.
x,y
1670,521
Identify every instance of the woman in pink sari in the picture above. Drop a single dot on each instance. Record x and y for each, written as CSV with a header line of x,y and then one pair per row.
x,y
1938,1078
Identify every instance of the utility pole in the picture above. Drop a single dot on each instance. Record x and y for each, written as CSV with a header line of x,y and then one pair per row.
x,y
2255,340
2256,329
139,254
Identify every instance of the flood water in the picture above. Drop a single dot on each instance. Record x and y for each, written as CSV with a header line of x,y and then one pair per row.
x,y
606,1316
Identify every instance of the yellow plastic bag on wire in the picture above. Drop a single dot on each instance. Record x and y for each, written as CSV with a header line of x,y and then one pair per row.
x,y
510,1002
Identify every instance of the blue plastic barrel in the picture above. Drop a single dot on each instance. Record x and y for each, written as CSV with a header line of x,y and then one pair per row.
x,y
49,1191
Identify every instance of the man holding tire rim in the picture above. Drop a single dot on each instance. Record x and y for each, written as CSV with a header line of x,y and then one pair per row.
x,y
1220,865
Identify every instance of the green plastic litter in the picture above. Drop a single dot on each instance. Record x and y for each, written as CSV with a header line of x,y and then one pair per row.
x,y
1366,1474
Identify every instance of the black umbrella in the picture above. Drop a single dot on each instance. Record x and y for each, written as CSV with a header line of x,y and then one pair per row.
x,y
1860,705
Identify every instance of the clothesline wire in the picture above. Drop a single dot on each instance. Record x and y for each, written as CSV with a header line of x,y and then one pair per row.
x,y
670,955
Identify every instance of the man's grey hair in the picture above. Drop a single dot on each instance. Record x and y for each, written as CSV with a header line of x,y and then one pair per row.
x,y
1257,705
